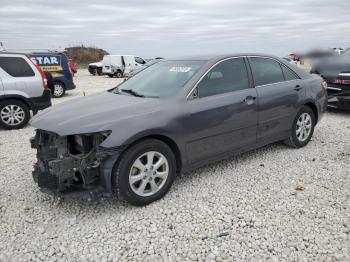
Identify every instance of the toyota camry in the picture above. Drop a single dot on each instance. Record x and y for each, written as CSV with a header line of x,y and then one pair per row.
x,y
177,115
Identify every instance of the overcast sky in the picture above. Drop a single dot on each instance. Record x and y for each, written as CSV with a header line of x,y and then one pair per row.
x,y
150,28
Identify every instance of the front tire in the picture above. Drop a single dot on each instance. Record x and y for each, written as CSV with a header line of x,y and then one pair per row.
x,y
58,89
303,128
14,114
145,172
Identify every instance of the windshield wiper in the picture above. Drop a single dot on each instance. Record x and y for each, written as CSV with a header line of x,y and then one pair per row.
x,y
130,91
134,93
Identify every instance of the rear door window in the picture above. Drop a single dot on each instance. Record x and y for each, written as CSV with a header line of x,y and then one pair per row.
x,y
16,66
266,71
227,76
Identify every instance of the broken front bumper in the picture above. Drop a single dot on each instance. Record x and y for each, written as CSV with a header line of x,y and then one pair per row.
x,y
73,166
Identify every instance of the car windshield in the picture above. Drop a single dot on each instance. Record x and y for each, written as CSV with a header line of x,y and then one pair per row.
x,y
163,79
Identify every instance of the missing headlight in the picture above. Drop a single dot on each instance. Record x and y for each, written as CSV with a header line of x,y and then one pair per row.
x,y
83,144
80,144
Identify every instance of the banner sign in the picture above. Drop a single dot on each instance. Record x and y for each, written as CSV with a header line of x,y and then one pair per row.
x,y
48,62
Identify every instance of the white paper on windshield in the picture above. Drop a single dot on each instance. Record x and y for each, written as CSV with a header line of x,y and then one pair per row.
x,y
180,69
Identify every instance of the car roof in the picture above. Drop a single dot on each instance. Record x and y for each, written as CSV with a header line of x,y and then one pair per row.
x,y
11,53
220,56
210,60
30,53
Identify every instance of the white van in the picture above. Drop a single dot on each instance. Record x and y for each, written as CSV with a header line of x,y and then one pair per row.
x,y
120,65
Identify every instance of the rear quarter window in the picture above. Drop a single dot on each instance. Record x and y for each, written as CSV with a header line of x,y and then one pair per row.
x,y
289,74
16,66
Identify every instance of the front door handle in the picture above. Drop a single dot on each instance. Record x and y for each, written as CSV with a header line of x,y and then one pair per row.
x,y
297,88
249,100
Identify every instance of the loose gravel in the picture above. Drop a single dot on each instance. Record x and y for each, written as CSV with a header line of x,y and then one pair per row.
x,y
272,204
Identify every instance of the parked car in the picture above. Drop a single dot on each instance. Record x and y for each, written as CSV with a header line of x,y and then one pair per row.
x,y
120,65
336,72
148,63
172,117
72,66
57,64
95,68
316,56
23,88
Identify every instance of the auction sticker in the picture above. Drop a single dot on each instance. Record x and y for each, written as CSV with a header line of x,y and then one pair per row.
x,y
180,69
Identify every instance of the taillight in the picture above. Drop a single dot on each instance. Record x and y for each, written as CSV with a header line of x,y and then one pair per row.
x,y
43,76
341,82
324,86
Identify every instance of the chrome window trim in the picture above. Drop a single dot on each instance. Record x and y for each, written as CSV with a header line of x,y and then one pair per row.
x,y
277,83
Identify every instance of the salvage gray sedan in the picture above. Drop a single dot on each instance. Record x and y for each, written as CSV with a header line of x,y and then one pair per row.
x,y
172,117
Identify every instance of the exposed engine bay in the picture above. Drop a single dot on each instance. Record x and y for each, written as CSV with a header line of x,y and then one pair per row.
x,y
73,163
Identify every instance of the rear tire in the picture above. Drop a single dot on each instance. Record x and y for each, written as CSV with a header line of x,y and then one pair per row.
x,y
58,89
110,75
119,74
144,173
14,114
302,129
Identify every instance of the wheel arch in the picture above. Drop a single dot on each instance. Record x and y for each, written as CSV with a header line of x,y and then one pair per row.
x,y
119,71
313,108
169,142
17,97
60,81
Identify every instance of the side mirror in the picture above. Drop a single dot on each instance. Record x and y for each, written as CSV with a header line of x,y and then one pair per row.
x,y
194,94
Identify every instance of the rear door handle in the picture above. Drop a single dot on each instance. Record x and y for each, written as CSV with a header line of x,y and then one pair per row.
x,y
249,100
297,88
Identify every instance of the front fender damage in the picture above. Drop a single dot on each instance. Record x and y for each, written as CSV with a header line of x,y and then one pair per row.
x,y
74,166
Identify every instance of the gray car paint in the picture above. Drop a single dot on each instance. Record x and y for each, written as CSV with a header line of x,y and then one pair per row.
x,y
203,129
1,88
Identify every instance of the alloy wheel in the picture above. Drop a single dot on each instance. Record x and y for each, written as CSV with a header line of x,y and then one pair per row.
x,y
12,115
148,173
303,127
58,90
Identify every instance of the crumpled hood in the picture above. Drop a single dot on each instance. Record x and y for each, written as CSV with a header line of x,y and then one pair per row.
x,y
92,113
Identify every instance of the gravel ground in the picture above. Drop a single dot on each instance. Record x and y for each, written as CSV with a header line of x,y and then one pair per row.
x,y
272,204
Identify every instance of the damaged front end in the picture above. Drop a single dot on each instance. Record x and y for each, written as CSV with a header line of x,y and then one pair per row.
x,y
74,165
